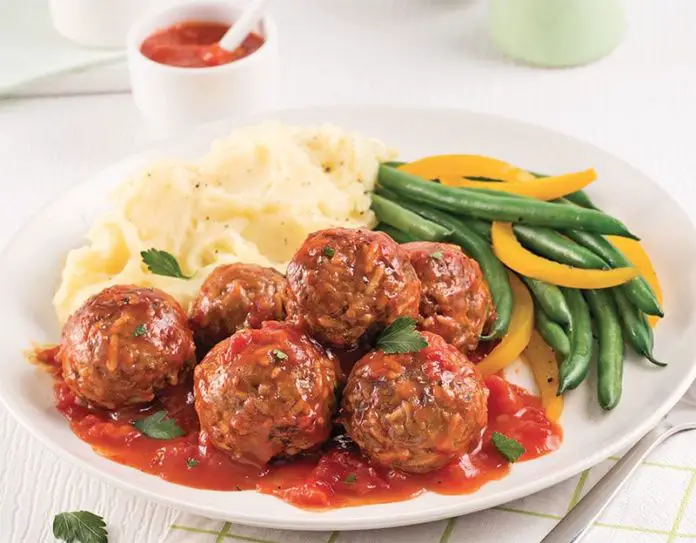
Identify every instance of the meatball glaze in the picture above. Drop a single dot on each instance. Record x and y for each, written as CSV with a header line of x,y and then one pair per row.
x,y
344,283
416,411
266,392
455,301
236,296
124,344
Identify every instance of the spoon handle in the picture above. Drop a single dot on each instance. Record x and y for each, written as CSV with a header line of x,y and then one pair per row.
x,y
234,37
576,524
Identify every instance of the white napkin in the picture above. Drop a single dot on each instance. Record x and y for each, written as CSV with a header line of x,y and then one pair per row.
x,y
658,505
31,49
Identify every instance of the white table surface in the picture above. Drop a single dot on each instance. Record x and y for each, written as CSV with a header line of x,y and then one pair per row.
x,y
639,104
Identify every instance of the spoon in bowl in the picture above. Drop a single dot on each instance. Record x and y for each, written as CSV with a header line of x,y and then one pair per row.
x,y
234,37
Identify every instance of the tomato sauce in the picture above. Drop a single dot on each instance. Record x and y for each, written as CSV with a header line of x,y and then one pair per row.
x,y
336,476
195,45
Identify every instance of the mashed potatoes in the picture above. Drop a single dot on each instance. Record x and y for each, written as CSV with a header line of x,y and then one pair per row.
x,y
253,198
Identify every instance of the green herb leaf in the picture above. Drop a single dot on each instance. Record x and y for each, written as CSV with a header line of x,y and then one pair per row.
x,y
139,330
329,251
191,463
401,337
162,263
80,527
278,354
437,255
159,426
508,447
351,478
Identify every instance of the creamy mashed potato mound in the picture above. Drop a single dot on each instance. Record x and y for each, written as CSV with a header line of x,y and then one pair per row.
x,y
253,198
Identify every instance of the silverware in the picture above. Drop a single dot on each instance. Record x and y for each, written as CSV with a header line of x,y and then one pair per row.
x,y
576,524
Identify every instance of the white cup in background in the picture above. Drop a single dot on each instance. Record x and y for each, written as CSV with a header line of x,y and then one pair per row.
x,y
172,98
100,23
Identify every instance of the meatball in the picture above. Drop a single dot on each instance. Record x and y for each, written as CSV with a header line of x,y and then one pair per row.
x,y
124,344
416,411
344,283
455,301
236,296
266,392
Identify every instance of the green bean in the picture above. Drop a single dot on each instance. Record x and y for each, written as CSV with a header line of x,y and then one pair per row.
x,y
407,221
638,290
574,368
635,327
482,205
396,164
598,245
479,250
482,228
550,299
611,347
397,235
552,245
551,331
580,198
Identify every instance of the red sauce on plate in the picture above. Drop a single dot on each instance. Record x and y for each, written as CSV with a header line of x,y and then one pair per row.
x,y
195,45
336,476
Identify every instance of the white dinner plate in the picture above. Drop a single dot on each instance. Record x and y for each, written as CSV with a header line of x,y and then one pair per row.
x,y
31,266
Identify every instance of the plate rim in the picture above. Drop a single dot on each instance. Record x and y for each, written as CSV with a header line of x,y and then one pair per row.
x,y
459,505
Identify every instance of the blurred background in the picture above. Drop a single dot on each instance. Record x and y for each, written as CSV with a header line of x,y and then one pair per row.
x,y
423,52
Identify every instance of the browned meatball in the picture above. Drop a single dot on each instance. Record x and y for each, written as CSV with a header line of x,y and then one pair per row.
x,y
265,393
345,282
455,301
236,296
124,344
417,411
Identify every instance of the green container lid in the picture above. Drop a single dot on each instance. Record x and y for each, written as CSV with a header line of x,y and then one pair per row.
x,y
556,33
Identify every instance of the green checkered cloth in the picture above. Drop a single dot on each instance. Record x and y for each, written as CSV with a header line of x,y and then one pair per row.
x,y
658,505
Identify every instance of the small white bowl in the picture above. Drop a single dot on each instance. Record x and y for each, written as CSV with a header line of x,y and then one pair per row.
x,y
174,97
99,23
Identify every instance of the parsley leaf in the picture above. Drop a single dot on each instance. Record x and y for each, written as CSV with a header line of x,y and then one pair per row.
x,y
401,337
80,527
191,462
508,447
162,263
350,478
437,255
329,251
280,355
140,330
159,426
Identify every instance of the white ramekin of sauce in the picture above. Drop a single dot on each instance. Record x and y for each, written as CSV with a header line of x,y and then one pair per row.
x,y
99,23
181,77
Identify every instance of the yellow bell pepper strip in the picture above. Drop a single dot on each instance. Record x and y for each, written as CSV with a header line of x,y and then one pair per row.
x,y
511,253
639,258
439,166
547,188
542,361
519,332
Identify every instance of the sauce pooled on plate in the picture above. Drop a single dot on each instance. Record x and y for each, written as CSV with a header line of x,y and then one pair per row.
x,y
336,475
